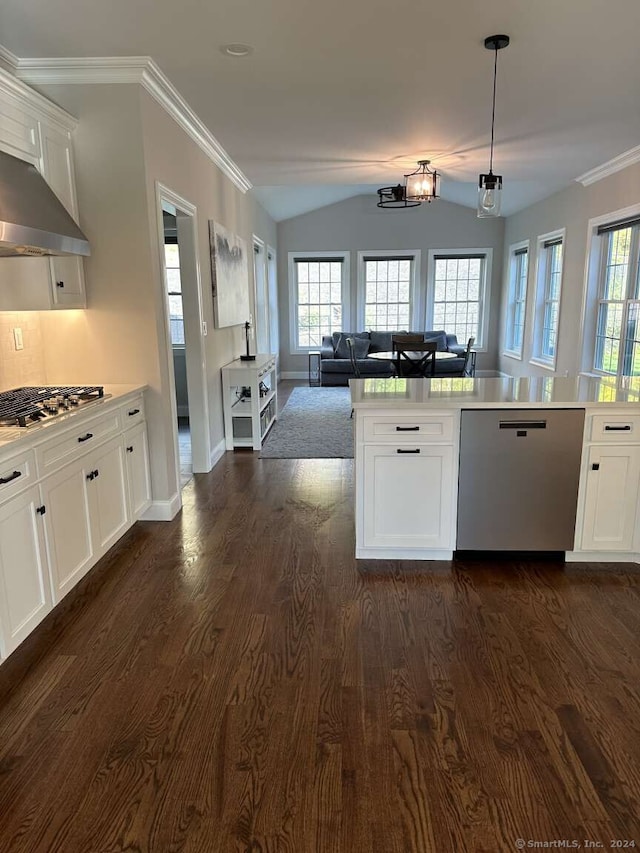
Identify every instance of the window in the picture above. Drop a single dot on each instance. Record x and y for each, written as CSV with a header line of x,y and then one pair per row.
x,y
457,294
386,285
317,284
518,270
548,288
617,340
174,292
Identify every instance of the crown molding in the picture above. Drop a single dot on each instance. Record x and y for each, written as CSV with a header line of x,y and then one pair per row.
x,y
29,100
8,61
627,158
141,70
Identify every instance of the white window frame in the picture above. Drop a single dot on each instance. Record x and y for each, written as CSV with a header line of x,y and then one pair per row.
x,y
592,280
345,257
379,255
516,250
541,280
485,291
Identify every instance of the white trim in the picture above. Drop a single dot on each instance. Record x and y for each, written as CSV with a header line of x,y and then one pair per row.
x,y
366,553
513,248
415,310
485,300
588,316
295,374
163,510
134,69
627,158
293,299
31,100
536,359
601,557
8,60
218,452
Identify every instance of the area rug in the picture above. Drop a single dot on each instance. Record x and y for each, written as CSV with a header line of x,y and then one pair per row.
x,y
314,424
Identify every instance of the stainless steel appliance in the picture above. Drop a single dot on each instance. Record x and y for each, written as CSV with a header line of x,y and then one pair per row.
x,y
518,480
26,407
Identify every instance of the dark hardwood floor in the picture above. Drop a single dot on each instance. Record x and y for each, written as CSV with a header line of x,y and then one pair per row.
x,y
235,681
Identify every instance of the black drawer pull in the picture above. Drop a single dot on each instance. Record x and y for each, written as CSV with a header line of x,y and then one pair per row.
x,y
523,424
59,283
134,412
412,450
90,475
408,429
614,428
86,437
96,473
130,449
595,466
11,477
41,509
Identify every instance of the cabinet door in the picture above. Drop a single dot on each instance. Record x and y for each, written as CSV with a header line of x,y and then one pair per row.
x,y
67,274
68,526
25,595
107,490
407,496
137,459
610,498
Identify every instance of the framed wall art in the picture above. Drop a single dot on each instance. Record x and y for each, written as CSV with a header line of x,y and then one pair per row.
x,y
229,276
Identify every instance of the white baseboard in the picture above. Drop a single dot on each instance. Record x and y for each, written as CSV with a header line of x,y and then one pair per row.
x,y
217,453
294,374
489,374
601,557
163,510
402,554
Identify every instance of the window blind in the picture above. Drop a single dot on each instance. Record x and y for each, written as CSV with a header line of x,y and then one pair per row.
x,y
557,241
619,224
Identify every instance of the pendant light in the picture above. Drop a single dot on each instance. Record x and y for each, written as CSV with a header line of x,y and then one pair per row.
x,y
490,185
423,184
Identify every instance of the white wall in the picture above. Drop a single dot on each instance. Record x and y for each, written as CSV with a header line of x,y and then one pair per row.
x,y
571,209
123,144
356,224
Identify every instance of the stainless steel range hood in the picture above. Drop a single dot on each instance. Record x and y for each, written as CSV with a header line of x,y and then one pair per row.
x,y
33,221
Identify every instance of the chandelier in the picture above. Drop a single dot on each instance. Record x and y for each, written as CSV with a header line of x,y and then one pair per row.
x,y
419,186
490,185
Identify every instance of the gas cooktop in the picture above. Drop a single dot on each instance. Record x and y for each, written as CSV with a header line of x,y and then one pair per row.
x,y
25,407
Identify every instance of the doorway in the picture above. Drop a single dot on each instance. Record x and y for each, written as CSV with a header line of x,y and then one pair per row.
x,y
266,297
186,335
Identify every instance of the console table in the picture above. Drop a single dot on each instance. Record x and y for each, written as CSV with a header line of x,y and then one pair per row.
x,y
250,400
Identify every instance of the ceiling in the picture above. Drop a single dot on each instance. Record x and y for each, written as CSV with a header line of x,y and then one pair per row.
x,y
339,98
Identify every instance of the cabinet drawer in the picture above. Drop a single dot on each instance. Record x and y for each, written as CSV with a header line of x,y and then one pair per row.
x,y
76,442
404,429
615,428
267,367
132,413
17,472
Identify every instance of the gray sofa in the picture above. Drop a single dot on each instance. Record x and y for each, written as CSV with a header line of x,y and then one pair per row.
x,y
335,368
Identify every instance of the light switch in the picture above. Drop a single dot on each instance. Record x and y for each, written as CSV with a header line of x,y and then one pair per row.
x,y
17,338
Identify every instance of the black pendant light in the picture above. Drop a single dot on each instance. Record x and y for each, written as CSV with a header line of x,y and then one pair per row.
x,y
423,184
490,185
394,198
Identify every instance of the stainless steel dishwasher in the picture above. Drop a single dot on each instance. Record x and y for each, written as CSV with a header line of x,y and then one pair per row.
x,y
518,480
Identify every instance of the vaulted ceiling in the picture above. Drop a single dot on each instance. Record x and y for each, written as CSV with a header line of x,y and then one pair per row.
x,y
338,97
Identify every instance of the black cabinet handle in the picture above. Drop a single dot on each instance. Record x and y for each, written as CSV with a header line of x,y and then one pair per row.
x,y
90,475
613,428
11,477
86,437
41,509
134,412
408,429
59,283
96,473
522,425
402,450
130,449
595,466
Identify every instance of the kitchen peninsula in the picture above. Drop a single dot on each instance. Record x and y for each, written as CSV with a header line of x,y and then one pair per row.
x,y
534,464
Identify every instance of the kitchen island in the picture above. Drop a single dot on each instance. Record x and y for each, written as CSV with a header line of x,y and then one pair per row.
x,y
407,455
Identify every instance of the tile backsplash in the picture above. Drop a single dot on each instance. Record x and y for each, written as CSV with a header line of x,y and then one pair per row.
x,y
25,366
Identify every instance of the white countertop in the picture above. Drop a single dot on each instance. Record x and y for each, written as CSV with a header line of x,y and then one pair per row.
x,y
465,393
114,394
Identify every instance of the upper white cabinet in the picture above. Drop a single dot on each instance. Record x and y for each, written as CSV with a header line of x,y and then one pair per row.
x,y
40,133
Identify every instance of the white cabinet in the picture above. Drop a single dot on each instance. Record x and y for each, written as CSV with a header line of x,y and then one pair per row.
x,y
407,497
25,596
612,481
137,462
249,391
107,492
40,133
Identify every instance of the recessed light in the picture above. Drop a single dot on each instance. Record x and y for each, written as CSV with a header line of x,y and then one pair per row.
x,y
236,49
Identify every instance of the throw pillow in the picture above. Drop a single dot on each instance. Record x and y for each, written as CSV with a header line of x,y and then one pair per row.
x,y
361,347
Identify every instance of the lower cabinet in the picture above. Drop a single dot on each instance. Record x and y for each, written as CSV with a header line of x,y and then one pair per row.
x,y
408,496
611,494
137,462
25,596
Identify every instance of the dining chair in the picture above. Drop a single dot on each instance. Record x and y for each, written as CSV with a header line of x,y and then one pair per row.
x,y
469,366
415,357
